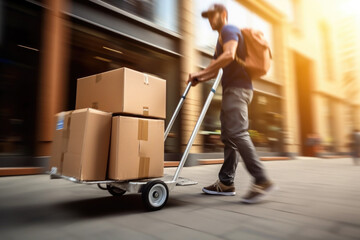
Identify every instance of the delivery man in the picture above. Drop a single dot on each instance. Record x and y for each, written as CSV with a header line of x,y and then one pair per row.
x,y
237,95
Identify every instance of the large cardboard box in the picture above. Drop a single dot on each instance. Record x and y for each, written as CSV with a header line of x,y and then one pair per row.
x,y
123,91
81,145
137,148
60,141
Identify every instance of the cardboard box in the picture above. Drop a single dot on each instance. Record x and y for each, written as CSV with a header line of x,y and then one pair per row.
x,y
123,91
88,147
81,144
137,148
60,142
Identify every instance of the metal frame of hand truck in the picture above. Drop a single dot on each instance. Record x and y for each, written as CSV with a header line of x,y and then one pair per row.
x,y
155,191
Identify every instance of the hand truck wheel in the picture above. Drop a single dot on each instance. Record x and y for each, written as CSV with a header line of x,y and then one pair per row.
x,y
115,191
101,187
155,195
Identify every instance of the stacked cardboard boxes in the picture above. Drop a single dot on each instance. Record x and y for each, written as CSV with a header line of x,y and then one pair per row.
x,y
132,108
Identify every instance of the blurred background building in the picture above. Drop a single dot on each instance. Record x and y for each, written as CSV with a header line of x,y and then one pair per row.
x,y
308,104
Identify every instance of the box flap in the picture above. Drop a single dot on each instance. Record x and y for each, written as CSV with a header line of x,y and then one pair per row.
x,y
152,91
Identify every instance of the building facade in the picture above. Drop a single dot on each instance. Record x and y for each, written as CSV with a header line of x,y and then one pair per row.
x,y
310,92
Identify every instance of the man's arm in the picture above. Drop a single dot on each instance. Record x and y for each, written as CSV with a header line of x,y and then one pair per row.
x,y
228,55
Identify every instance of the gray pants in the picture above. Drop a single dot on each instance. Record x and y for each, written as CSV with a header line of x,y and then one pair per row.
x,y
236,138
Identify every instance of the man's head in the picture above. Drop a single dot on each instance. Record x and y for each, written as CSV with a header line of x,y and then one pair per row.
x,y
217,15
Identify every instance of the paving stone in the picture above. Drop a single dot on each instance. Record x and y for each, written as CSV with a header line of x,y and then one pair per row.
x,y
310,233
245,233
349,231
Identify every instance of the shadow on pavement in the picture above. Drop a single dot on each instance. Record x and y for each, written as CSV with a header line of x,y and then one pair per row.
x,y
75,210
103,206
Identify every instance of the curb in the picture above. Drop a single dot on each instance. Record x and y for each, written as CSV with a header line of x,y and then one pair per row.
x,y
17,171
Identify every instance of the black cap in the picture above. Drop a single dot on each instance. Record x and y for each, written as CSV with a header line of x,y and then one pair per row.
x,y
214,8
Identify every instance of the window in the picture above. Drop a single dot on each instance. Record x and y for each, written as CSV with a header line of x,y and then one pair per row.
x,y
327,50
160,12
296,15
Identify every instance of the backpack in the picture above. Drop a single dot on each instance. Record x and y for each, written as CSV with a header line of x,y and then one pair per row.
x,y
258,53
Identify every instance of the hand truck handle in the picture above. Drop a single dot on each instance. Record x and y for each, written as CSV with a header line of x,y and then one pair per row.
x,y
197,125
177,110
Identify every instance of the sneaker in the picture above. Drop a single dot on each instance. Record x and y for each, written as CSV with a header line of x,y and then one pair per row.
x,y
258,192
218,188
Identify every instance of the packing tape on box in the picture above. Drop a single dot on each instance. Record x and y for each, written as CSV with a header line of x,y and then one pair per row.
x,y
146,111
143,129
95,105
98,78
146,79
144,167
66,133
143,134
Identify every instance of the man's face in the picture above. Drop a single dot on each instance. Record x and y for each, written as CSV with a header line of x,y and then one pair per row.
x,y
215,20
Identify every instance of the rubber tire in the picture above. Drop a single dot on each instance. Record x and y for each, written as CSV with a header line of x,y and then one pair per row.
x,y
148,190
101,187
116,192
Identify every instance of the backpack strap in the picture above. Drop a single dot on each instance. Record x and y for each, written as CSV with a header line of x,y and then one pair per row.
x,y
240,61
237,59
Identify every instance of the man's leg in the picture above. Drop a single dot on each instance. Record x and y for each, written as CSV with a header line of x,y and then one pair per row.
x,y
248,153
225,184
234,130
231,159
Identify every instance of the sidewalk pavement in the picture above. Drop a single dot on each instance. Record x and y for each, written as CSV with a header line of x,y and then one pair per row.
x,y
317,199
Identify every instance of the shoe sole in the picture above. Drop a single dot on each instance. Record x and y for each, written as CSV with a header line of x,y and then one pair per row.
x,y
260,197
218,193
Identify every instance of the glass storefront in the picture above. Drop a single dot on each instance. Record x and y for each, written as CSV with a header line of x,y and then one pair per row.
x,y
92,49
20,49
265,122
265,126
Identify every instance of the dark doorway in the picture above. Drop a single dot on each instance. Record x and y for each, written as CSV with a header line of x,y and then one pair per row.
x,y
20,50
304,86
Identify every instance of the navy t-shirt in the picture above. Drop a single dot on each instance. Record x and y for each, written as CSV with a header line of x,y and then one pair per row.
x,y
234,74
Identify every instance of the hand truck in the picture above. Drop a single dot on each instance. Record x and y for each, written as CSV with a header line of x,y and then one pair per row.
x,y
155,191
